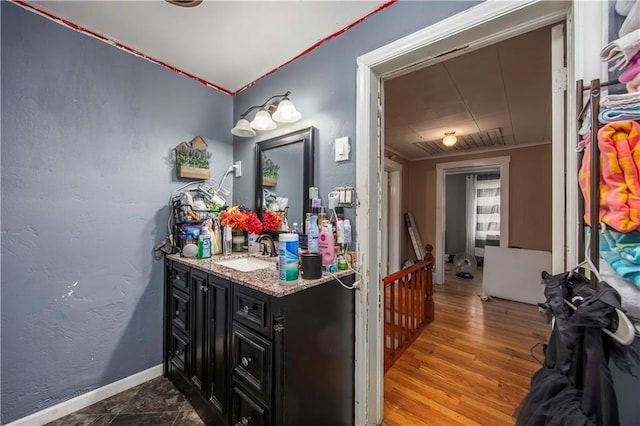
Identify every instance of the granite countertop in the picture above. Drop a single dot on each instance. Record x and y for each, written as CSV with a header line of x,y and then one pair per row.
x,y
264,280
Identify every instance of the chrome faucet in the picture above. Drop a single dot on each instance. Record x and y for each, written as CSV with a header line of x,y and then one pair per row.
x,y
267,245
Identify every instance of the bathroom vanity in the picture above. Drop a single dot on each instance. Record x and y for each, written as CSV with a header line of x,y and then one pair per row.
x,y
249,351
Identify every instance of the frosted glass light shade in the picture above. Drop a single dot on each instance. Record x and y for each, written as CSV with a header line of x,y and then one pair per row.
x,y
263,121
449,139
286,112
243,129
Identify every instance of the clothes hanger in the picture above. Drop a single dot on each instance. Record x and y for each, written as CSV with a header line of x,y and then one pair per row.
x,y
625,331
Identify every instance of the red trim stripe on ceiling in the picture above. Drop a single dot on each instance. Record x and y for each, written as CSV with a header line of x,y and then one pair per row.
x,y
135,52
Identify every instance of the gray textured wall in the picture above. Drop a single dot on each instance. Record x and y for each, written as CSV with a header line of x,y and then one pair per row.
x,y
323,86
456,210
87,134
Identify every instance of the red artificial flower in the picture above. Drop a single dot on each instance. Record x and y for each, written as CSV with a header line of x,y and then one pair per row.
x,y
271,221
254,226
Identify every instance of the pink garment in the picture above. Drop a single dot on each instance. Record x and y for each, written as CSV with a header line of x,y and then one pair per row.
x,y
631,70
634,85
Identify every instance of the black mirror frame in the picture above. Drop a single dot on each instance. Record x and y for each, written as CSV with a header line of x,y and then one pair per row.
x,y
305,136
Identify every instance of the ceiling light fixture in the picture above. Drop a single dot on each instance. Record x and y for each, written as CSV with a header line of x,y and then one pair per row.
x,y
185,3
449,138
278,108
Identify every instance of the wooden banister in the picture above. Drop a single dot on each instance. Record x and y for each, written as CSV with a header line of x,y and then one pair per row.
x,y
408,306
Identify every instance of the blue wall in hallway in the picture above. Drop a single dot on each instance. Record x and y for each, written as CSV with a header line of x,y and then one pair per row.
x,y
87,138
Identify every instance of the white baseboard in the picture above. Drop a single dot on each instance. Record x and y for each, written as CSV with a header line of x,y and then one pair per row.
x,y
74,404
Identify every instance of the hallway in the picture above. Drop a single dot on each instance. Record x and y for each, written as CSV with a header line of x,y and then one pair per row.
x,y
471,365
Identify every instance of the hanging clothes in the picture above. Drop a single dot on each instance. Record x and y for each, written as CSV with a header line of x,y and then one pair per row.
x,y
574,386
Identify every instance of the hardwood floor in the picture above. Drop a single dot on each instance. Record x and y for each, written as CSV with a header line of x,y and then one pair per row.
x,y
471,365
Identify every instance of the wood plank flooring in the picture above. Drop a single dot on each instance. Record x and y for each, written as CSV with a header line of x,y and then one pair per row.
x,y
472,365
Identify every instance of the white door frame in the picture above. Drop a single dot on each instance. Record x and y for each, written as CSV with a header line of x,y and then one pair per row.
x,y
484,24
442,169
395,214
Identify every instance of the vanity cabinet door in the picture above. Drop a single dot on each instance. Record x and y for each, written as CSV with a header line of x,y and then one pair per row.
x,y
246,411
210,339
217,351
199,290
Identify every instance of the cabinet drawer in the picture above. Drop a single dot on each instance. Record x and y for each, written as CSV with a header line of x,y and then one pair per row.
x,y
251,361
179,351
252,308
179,277
179,311
245,411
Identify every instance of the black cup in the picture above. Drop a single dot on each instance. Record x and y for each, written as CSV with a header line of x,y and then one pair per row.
x,y
311,266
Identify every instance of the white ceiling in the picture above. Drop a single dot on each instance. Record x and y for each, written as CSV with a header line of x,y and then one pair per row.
x,y
497,95
228,44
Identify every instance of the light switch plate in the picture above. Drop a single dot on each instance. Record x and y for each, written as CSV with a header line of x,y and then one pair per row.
x,y
342,149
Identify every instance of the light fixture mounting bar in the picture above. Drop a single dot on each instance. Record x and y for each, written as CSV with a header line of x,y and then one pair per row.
x,y
266,103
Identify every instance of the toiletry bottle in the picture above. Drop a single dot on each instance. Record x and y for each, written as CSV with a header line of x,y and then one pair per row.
x,y
340,231
326,244
204,243
307,223
227,240
347,231
313,234
295,229
322,216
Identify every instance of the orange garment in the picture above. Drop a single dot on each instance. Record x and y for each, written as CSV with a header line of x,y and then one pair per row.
x,y
619,145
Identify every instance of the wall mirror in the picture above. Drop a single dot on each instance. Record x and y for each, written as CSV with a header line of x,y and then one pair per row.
x,y
284,173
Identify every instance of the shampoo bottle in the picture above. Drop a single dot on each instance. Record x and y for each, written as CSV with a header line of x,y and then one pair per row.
x,y
326,244
313,234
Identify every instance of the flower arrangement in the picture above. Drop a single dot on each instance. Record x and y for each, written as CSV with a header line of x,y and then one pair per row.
x,y
240,218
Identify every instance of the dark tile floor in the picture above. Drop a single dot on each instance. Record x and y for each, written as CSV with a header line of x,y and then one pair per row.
x,y
156,402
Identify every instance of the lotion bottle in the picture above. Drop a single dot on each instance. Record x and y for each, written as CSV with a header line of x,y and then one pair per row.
x,y
326,244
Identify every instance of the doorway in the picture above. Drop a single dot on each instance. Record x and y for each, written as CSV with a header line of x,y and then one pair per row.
x,y
472,208
482,25
497,164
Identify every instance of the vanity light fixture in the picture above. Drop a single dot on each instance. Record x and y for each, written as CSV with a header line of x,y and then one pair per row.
x,y
278,108
449,138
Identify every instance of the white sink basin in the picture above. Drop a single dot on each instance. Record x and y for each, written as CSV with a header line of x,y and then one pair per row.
x,y
245,264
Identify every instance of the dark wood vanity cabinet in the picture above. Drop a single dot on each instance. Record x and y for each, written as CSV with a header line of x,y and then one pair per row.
x,y
246,358
197,338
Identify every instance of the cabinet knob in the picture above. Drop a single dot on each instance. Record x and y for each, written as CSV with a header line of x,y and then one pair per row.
x,y
245,361
244,421
177,352
204,288
178,312
245,308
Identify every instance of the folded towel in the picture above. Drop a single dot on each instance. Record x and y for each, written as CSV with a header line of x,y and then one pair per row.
x,y
621,101
623,7
621,50
632,21
629,292
627,270
619,185
619,145
622,114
